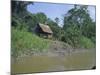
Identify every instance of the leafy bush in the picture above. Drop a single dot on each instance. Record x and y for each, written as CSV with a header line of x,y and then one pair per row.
x,y
22,40
72,35
18,22
86,42
93,39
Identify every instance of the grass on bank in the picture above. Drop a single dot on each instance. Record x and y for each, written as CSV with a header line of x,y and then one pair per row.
x,y
22,40
86,42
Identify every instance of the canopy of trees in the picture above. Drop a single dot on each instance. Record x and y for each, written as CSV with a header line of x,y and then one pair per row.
x,y
77,23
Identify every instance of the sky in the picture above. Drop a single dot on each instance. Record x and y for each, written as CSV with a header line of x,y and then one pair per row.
x,y
53,10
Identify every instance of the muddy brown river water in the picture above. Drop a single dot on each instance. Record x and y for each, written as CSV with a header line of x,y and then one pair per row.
x,y
79,60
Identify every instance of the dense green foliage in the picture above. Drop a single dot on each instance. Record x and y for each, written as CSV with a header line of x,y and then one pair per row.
x,y
77,23
86,42
23,40
72,36
78,29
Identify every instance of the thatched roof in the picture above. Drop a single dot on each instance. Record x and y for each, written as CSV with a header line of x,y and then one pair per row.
x,y
45,28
